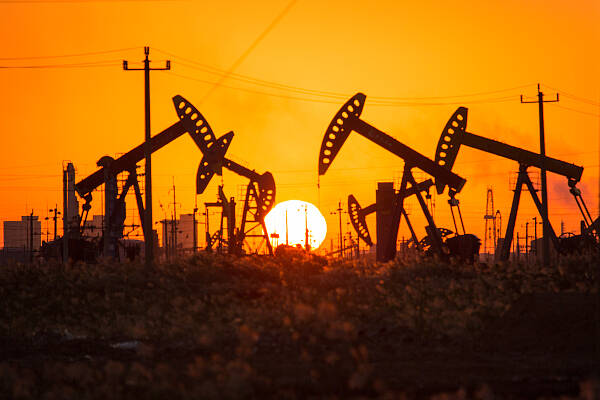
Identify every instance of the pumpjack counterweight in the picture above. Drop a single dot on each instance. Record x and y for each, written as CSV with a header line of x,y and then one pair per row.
x,y
357,218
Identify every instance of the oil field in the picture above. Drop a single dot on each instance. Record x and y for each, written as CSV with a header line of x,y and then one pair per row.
x,y
297,202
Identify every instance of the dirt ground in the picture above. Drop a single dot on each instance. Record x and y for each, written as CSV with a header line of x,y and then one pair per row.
x,y
228,338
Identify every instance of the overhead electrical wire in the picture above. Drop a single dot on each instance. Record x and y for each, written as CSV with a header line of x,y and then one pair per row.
x,y
373,103
81,1
320,93
301,94
577,111
317,95
574,97
254,91
105,63
87,54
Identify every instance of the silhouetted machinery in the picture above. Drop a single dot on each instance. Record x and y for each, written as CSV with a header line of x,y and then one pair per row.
x,y
357,214
260,191
455,134
218,239
260,195
114,202
390,204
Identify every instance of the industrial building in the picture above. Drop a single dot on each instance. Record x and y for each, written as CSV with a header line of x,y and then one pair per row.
x,y
25,234
179,236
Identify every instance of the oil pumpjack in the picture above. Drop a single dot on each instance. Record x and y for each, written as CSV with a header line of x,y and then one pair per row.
x,y
260,194
357,214
114,202
389,213
260,191
455,134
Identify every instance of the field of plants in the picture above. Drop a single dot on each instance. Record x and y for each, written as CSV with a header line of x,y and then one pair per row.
x,y
299,326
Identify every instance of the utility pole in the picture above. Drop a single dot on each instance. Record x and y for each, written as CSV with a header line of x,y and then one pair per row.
x,y
47,229
535,232
287,243
306,245
545,217
31,237
206,227
195,230
148,236
527,241
56,212
174,223
518,248
339,212
65,238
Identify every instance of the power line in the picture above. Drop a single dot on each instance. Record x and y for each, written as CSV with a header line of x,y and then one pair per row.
x,y
106,63
334,95
90,53
256,91
80,1
373,103
577,111
575,97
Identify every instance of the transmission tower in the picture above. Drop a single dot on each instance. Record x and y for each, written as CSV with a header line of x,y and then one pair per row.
x,y
489,240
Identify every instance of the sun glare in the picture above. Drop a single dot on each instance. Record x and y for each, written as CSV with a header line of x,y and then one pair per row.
x,y
289,221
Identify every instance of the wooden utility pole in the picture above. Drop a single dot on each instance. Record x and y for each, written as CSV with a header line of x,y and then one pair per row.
x,y
174,223
545,217
339,211
65,238
306,245
148,231
195,230
287,243
31,237
55,211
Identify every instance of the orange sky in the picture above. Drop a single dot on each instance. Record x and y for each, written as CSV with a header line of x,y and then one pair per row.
x,y
385,48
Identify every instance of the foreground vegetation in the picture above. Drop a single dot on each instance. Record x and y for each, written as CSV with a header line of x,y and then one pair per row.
x,y
293,326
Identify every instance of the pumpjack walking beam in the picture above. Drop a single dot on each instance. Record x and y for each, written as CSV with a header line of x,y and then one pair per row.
x,y
128,160
109,169
260,193
455,134
347,120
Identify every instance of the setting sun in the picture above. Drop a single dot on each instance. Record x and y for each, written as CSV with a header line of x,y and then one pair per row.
x,y
293,220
